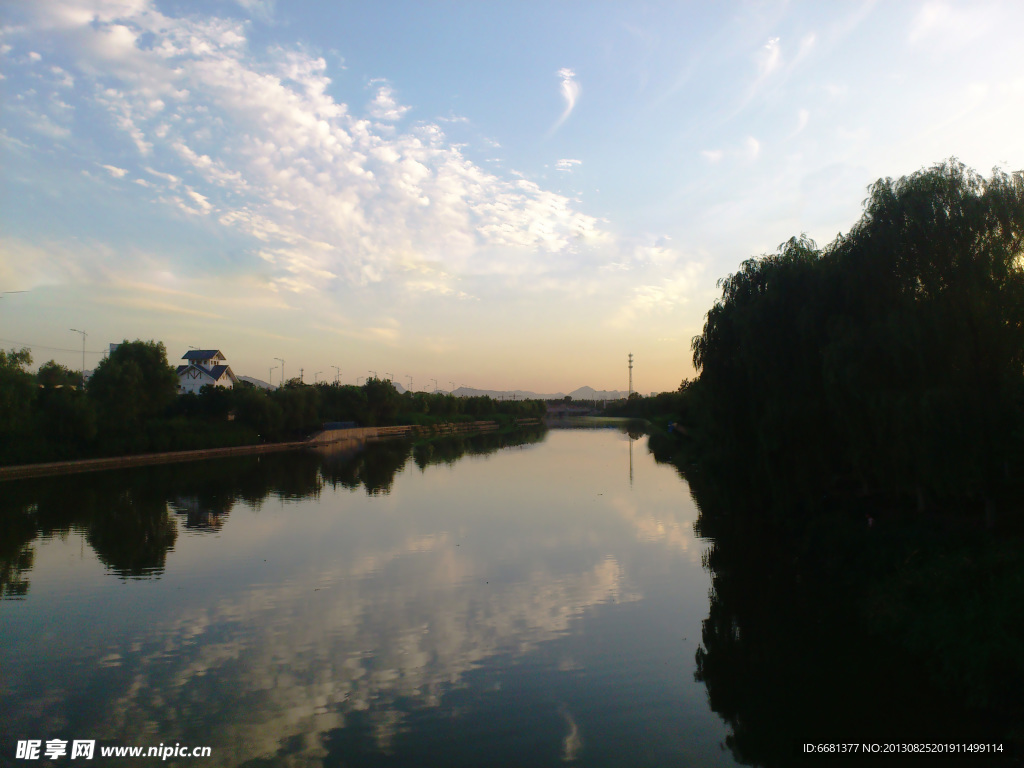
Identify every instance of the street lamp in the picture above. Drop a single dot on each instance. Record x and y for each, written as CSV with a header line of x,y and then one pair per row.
x,y
315,375
84,334
270,376
282,369
358,379
374,373
435,385
391,376
410,381
337,374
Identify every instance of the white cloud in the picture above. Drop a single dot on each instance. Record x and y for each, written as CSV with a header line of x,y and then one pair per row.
x,y
384,106
261,9
769,57
949,26
202,203
170,178
661,297
256,140
114,171
45,125
752,146
570,93
712,155
803,116
567,164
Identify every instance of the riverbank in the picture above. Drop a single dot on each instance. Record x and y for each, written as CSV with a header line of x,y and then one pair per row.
x,y
321,438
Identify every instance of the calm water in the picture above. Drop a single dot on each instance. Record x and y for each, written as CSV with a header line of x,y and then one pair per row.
x,y
533,604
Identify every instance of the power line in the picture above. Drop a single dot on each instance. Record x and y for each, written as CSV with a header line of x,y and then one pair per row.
x,y
53,349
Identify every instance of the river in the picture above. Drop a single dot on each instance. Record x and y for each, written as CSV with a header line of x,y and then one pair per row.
x,y
498,601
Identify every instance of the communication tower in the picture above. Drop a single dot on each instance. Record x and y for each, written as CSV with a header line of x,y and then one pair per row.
x,y
630,374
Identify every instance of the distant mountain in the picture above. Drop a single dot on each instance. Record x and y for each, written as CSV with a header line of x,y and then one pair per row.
x,y
589,393
583,393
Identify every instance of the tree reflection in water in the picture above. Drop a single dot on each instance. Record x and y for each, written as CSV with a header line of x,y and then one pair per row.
x,y
785,653
128,516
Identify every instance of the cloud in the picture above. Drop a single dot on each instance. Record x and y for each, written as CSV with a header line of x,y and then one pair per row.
x,y
114,171
256,140
803,116
752,146
712,155
567,164
951,27
570,93
260,9
769,58
384,106
661,297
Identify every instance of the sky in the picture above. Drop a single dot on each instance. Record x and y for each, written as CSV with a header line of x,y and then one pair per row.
x,y
500,195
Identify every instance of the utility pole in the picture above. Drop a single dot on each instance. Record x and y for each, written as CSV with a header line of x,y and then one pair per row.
x,y
410,381
84,334
302,373
630,374
282,370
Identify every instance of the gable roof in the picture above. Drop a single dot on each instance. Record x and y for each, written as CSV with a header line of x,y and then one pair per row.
x,y
203,354
216,373
221,370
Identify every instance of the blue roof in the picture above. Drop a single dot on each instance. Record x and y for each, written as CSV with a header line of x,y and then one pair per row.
x,y
203,354
215,372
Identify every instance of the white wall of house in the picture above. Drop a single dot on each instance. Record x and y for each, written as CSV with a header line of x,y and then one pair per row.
x,y
198,373
194,378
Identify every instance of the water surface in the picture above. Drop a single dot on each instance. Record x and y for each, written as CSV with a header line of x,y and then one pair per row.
x,y
531,604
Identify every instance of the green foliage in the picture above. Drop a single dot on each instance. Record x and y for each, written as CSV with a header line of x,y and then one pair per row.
x,y
131,405
893,359
52,374
132,385
16,394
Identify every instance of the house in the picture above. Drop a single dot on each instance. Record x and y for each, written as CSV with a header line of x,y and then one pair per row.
x,y
205,366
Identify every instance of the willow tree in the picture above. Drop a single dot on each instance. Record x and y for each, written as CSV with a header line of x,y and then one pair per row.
x,y
894,357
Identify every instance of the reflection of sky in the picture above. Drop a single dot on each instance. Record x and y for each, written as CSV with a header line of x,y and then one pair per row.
x,y
297,617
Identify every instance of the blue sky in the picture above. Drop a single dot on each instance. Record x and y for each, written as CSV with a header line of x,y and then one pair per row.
x,y
499,195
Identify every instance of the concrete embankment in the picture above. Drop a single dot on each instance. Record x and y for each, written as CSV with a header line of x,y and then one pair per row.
x,y
323,438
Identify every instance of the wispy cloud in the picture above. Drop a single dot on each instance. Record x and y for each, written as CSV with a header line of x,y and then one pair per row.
x,y
949,26
570,93
261,9
567,164
802,118
769,58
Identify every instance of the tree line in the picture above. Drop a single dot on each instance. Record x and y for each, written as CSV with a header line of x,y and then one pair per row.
x,y
889,362
131,405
